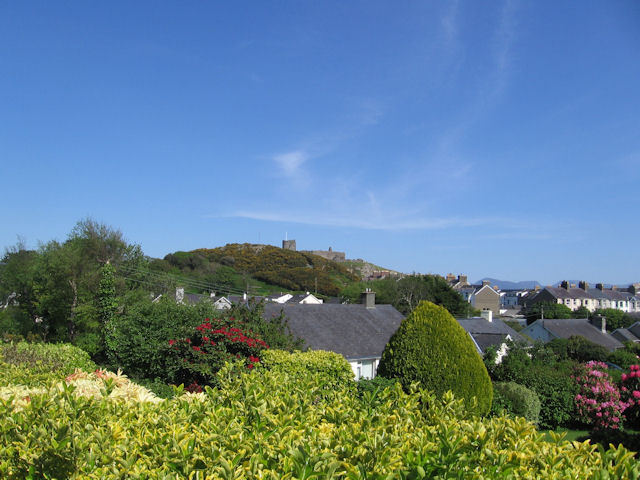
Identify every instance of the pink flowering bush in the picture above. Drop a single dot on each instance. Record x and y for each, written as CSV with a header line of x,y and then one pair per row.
x,y
598,401
630,392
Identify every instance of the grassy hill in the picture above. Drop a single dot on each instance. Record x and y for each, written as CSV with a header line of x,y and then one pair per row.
x,y
288,269
257,269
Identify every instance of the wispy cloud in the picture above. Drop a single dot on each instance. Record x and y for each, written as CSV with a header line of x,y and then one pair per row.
x,y
289,163
374,222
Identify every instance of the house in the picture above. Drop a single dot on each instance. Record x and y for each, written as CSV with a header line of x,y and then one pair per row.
x,y
486,298
593,330
631,334
591,298
486,331
481,297
359,332
219,302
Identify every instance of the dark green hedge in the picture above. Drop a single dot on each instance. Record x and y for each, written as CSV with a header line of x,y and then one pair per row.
x,y
430,347
516,400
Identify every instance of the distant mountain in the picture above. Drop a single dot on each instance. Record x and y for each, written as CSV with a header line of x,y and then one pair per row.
x,y
507,285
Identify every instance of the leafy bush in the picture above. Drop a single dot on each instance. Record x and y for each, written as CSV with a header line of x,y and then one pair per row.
x,y
430,347
537,369
516,400
198,357
48,357
582,350
270,425
623,357
138,339
630,391
374,384
326,368
598,401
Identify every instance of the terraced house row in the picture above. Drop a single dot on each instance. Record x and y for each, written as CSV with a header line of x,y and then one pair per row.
x,y
627,300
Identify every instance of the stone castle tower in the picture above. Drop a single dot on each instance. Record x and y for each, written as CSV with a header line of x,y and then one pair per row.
x,y
289,245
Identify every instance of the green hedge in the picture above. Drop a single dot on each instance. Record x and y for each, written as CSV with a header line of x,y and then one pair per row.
x,y
516,400
430,347
326,368
267,424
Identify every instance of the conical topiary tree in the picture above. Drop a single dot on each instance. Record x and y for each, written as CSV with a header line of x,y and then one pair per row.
x,y
432,348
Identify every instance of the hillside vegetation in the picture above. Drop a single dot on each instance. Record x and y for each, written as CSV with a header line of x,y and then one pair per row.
x,y
291,270
270,423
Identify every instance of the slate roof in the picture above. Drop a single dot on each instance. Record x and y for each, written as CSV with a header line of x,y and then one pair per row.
x,y
566,328
559,292
353,331
624,335
487,334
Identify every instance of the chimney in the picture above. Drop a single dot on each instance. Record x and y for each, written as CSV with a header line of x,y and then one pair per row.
x,y
600,322
179,295
462,278
485,283
614,288
565,285
451,277
369,298
600,286
583,285
487,315
536,288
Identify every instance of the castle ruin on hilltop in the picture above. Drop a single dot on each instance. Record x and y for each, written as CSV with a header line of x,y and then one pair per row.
x,y
328,254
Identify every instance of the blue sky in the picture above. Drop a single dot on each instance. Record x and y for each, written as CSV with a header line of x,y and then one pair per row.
x,y
495,139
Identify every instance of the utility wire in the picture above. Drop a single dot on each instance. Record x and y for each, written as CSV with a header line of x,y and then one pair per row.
x,y
198,284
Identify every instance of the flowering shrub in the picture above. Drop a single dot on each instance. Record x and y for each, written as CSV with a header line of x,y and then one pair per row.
x,y
630,392
598,402
214,343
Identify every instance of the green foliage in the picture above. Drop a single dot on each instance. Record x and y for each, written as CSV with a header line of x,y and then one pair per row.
x,y
623,357
516,400
200,356
61,359
540,370
406,293
138,338
615,318
581,312
548,309
272,425
300,271
582,350
56,288
329,369
430,347
368,386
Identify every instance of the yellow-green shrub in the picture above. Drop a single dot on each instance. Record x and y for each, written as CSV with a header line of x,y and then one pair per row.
x,y
269,424
432,348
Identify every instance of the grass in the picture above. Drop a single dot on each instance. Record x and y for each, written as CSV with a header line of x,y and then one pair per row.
x,y
570,435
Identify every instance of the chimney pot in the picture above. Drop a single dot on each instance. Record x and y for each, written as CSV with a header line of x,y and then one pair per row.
x,y
369,298
487,315
600,322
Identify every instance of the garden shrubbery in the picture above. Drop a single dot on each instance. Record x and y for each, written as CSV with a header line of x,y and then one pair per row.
x,y
265,423
430,347
516,400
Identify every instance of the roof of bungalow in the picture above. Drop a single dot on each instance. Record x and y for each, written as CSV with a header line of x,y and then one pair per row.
x,y
354,331
570,327
486,334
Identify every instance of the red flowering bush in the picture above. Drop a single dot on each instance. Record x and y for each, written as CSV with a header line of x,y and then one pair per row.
x,y
598,402
212,344
630,391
